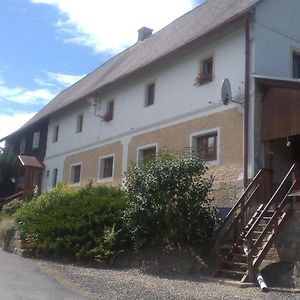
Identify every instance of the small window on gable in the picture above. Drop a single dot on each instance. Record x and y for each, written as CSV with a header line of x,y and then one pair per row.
x,y
79,123
75,174
206,146
22,145
206,70
109,111
150,93
147,152
106,168
36,140
55,133
296,65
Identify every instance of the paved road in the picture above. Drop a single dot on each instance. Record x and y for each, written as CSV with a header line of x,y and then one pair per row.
x,y
22,279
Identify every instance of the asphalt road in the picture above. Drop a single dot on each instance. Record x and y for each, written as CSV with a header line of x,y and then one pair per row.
x,y
22,279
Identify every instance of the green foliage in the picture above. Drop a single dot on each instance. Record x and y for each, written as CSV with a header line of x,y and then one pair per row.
x,y
11,207
168,201
6,173
66,221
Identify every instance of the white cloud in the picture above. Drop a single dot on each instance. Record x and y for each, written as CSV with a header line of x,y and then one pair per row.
x,y
51,85
113,25
10,123
63,79
23,96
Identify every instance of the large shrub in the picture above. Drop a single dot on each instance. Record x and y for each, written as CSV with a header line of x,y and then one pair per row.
x,y
168,201
68,222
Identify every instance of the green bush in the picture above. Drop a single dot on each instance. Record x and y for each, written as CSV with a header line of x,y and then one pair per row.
x,y
68,222
11,207
168,201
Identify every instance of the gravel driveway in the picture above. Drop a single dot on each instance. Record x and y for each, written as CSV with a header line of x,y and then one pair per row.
x,y
126,284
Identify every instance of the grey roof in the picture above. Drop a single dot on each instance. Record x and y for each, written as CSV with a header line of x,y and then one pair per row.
x,y
205,18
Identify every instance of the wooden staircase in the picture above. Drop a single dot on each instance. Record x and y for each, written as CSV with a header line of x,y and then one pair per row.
x,y
252,225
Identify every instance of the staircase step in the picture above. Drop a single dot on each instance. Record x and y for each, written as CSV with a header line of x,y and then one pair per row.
x,y
235,263
233,272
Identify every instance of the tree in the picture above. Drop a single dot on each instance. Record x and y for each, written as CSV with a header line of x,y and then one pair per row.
x,y
169,203
7,162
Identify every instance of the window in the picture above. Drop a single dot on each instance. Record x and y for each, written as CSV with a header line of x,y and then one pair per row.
x,y
150,91
109,111
22,145
75,174
36,140
106,167
206,145
79,123
296,65
147,152
54,178
206,70
55,133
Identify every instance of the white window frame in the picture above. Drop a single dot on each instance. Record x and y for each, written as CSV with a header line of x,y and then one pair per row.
x,y
101,168
139,151
36,140
203,133
70,174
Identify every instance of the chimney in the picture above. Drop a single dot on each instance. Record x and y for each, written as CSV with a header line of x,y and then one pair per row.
x,y
144,33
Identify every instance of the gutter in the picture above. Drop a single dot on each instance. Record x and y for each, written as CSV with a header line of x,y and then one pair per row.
x,y
247,96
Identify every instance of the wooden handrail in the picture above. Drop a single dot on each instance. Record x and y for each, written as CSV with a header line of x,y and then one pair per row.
x,y
271,201
11,197
238,203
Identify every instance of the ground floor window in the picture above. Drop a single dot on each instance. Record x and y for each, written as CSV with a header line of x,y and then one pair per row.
x,y
146,152
106,167
75,174
206,145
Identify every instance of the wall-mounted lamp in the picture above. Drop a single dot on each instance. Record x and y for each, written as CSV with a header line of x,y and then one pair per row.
x,y
94,105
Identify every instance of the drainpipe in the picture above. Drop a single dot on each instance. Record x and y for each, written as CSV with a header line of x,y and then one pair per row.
x,y
246,102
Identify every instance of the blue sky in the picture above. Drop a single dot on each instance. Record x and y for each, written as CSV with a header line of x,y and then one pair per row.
x,y
47,45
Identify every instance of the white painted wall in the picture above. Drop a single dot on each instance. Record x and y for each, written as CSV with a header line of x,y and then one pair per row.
x,y
277,31
176,99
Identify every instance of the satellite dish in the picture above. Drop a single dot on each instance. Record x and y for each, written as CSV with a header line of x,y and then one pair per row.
x,y
226,96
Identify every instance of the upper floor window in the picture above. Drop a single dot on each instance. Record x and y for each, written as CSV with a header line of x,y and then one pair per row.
x,y
205,144
109,111
75,174
55,133
79,123
296,65
146,152
150,93
106,167
36,140
206,70
22,145
54,177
